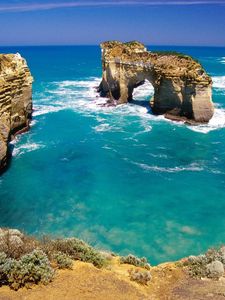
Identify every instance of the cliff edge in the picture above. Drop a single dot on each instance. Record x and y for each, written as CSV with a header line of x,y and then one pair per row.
x,y
182,88
69,269
15,101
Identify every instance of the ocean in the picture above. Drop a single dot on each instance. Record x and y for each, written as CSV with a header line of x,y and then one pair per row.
x,y
119,178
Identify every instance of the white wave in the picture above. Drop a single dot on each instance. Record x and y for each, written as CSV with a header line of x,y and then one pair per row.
x,y
80,83
143,91
146,128
217,122
106,147
218,82
192,167
100,119
33,123
28,147
222,60
159,155
45,109
81,96
103,127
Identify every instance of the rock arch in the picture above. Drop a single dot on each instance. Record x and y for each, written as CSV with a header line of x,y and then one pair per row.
x,y
182,88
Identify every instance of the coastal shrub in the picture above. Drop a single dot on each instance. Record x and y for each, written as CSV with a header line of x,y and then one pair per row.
x,y
215,269
134,44
3,258
197,266
76,249
175,53
216,254
140,276
135,261
62,260
211,264
30,269
15,244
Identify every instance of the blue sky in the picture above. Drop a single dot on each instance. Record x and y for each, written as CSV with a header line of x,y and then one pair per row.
x,y
154,22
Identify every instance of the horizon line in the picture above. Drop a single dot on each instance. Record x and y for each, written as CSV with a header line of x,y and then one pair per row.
x,y
98,45
53,5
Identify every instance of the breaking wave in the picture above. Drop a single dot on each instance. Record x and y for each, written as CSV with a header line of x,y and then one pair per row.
x,y
192,167
28,147
222,60
219,82
217,122
103,127
81,96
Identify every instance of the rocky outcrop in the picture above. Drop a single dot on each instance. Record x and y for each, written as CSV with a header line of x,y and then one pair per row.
x,y
182,88
15,101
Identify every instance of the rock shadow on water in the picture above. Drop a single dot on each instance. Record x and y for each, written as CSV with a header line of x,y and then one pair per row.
x,y
142,103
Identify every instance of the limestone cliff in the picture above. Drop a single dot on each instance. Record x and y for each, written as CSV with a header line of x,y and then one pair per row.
x,y
182,88
15,101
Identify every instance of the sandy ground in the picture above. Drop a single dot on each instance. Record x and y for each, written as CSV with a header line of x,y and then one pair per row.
x,y
85,281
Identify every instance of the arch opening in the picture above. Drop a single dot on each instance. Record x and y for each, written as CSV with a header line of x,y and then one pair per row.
x,y
142,94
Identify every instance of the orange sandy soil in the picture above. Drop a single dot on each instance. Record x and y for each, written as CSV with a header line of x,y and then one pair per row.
x,y
113,283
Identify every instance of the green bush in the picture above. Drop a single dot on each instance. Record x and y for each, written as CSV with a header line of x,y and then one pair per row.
x,y
77,250
135,261
15,244
200,266
175,53
142,277
32,268
3,258
62,260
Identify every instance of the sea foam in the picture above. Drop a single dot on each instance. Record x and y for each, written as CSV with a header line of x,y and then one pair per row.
x,y
217,122
218,82
82,97
192,167
222,60
27,147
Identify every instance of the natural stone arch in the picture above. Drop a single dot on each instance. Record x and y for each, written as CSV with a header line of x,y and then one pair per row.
x,y
182,89
142,93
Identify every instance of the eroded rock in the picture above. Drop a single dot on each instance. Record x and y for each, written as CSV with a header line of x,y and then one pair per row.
x,y
15,101
182,88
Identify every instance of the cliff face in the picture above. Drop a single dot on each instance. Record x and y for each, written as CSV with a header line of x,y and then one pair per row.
x,y
15,101
182,89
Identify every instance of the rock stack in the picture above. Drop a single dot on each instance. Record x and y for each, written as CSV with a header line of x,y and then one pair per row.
x,y
182,88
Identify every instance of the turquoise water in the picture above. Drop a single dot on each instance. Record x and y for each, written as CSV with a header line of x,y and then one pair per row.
x,y
119,178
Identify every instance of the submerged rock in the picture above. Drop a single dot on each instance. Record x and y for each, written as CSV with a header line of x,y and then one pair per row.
x,y
182,88
15,101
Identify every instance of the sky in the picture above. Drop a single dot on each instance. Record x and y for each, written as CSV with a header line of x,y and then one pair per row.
x,y
89,22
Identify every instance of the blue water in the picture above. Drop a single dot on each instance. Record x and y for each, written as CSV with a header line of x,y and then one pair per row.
x,y
119,178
